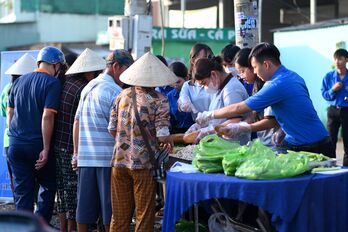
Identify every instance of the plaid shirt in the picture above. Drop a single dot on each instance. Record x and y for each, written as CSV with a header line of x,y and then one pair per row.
x,y
66,115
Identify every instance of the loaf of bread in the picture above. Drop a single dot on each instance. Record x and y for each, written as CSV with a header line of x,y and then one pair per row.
x,y
217,129
190,138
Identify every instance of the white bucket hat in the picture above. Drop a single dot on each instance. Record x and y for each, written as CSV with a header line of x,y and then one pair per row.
x,y
23,65
148,71
88,61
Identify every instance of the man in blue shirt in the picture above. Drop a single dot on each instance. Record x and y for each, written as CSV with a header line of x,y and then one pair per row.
x,y
335,91
287,94
33,103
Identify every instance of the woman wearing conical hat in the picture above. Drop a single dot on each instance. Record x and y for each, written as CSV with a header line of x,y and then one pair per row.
x,y
85,68
25,64
132,184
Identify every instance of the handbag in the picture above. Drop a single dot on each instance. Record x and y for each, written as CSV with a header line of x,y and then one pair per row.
x,y
157,159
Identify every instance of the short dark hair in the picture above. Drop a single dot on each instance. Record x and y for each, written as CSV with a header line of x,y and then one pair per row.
x,y
242,57
195,51
229,52
204,66
265,51
199,47
179,69
341,52
70,58
161,58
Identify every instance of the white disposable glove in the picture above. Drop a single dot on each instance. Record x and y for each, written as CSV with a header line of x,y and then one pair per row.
x,y
193,128
204,132
163,131
233,130
186,105
204,118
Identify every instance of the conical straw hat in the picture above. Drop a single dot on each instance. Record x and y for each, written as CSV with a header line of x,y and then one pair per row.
x,y
88,61
148,71
23,65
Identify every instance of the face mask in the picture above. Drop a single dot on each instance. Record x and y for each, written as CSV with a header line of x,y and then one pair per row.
x,y
241,76
211,88
233,71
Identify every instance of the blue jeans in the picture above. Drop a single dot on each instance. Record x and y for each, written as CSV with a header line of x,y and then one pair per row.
x,y
26,179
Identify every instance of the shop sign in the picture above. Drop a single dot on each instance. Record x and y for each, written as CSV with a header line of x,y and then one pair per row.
x,y
194,34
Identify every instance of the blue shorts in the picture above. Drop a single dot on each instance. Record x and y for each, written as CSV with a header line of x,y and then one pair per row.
x,y
93,195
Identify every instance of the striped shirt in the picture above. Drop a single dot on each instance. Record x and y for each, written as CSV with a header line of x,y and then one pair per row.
x,y
95,147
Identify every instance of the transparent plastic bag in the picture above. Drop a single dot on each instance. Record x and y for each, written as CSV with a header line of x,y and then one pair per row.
x,y
220,222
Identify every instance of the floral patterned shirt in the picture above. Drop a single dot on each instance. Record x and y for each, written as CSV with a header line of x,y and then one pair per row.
x,y
153,107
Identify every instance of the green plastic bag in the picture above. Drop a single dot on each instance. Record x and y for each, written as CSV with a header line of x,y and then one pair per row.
x,y
210,152
313,156
188,226
274,167
233,159
214,145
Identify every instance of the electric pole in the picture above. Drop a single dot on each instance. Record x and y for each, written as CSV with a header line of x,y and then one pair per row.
x,y
134,7
313,11
139,26
246,23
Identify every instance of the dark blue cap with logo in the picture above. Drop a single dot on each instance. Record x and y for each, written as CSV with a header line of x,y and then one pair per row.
x,y
120,56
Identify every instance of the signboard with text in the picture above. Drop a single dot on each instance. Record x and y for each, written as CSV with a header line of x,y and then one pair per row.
x,y
194,34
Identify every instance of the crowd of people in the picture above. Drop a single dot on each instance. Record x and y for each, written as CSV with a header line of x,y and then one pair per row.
x,y
83,132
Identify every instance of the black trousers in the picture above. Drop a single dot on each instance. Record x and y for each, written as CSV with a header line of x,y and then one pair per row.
x,y
337,117
324,147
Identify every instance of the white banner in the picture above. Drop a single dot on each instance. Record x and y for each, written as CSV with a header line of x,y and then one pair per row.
x,y
7,59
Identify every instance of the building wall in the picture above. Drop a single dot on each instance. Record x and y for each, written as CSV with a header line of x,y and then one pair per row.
x,y
309,53
49,28
18,34
70,27
46,21
271,12
343,8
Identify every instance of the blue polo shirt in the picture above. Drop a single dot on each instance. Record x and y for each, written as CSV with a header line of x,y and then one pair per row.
x,y
288,96
31,94
178,119
335,98
199,98
248,87
164,90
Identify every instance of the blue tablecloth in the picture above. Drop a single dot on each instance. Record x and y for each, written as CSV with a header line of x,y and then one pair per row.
x,y
312,202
